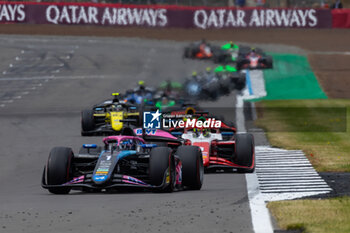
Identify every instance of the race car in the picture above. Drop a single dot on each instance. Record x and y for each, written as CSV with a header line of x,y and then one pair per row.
x,y
254,60
167,104
171,88
139,95
200,50
214,83
227,53
222,147
109,117
205,85
125,162
230,78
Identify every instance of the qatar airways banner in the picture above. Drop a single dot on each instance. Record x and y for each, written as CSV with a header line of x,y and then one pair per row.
x,y
158,16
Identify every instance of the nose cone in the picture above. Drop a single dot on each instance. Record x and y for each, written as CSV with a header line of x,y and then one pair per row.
x,y
104,167
116,124
99,179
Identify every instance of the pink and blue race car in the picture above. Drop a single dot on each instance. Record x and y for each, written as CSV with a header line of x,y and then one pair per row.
x,y
128,161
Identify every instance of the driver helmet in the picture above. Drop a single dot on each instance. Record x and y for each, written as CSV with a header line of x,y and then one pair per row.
x,y
119,107
206,132
141,85
126,144
165,100
196,133
208,69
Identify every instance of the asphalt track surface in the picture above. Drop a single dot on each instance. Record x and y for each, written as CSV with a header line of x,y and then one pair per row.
x,y
44,84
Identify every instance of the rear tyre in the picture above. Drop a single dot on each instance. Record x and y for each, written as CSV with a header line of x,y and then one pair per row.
x,y
241,83
141,109
59,169
192,166
161,160
87,122
216,59
269,63
245,152
187,53
240,62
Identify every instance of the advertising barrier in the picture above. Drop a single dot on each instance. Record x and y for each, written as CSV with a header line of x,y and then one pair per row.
x,y
162,16
341,18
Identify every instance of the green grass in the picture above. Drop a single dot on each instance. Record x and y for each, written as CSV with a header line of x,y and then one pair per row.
x,y
328,215
318,127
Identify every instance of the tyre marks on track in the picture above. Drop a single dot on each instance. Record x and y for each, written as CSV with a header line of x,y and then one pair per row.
x,y
10,91
33,61
287,171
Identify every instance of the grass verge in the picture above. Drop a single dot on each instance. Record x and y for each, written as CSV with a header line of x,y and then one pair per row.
x,y
318,127
328,215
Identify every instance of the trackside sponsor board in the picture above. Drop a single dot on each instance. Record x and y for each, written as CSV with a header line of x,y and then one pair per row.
x,y
162,16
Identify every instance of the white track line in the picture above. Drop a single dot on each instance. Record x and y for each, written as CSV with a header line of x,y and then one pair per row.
x,y
260,214
261,220
286,177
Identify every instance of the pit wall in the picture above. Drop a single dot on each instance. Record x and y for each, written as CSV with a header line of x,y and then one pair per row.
x,y
160,16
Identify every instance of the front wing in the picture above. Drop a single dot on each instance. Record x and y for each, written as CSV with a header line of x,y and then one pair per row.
x,y
117,181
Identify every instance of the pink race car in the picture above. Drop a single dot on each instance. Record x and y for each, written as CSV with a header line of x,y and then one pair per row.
x,y
126,161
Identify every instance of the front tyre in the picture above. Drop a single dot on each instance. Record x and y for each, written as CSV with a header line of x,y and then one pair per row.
x,y
269,63
162,164
59,169
192,166
87,122
245,152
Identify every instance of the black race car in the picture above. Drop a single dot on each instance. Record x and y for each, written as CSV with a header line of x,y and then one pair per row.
x,y
126,162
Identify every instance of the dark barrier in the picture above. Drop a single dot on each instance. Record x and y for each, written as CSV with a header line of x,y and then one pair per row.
x,y
341,18
162,16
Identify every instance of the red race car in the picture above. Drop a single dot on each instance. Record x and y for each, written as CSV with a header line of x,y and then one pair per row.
x,y
255,59
201,50
222,147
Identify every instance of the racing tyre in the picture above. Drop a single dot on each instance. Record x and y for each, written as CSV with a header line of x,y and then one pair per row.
x,y
225,86
212,92
141,109
240,83
187,53
87,122
269,63
240,62
192,166
245,152
216,59
161,160
59,169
